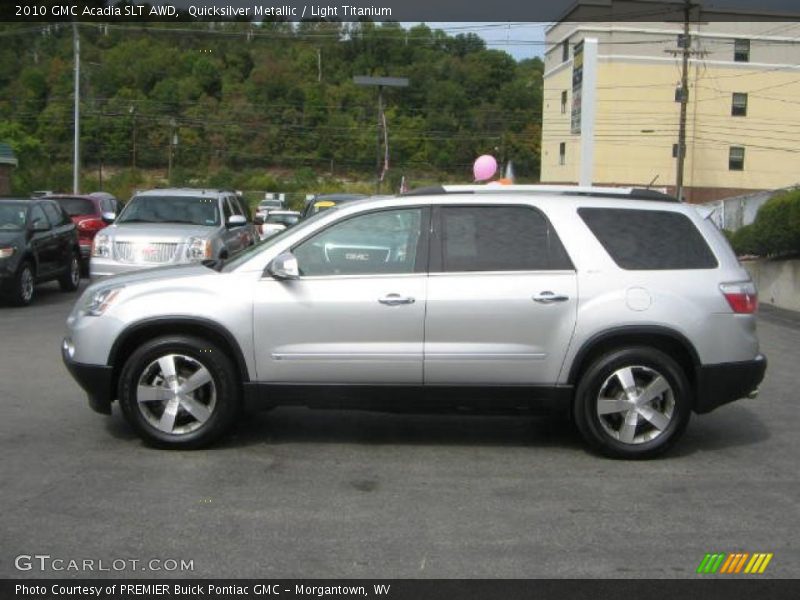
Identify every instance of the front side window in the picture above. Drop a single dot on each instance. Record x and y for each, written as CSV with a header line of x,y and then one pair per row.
x,y
171,209
37,216
649,239
378,243
498,238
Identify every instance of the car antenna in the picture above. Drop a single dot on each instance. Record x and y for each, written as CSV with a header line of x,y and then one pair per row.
x,y
652,181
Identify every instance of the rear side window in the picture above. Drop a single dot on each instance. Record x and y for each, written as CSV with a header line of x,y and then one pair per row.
x,y
499,238
649,239
54,214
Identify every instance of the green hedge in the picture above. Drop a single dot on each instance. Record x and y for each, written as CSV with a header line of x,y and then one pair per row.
x,y
776,229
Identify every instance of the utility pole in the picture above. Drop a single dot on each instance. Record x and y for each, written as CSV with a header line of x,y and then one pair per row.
x,y
76,157
380,83
132,111
687,48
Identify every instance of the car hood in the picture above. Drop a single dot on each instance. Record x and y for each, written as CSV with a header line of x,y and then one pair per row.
x,y
154,232
156,273
9,238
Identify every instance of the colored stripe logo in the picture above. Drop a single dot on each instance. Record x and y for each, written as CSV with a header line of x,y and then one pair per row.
x,y
734,563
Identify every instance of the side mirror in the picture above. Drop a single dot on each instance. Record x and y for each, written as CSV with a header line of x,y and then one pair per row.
x,y
40,225
284,266
237,221
258,220
108,217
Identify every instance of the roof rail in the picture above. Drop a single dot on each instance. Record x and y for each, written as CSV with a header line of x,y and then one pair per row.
x,y
630,193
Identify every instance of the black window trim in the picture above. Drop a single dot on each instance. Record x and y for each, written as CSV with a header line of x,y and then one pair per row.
x,y
590,231
436,258
422,259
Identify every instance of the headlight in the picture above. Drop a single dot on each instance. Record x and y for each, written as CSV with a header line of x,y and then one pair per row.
x,y
198,249
101,246
98,302
7,252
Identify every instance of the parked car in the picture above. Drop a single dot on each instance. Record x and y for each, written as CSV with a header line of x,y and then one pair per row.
x,y
173,226
622,307
326,201
267,205
90,213
276,221
38,243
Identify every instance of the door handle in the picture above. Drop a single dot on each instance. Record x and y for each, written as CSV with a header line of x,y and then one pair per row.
x,y
549,297
395,300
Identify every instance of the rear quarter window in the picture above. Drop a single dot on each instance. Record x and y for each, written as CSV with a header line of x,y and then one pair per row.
x,y
649,239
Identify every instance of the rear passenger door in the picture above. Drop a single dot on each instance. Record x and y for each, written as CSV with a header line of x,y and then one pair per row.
x,y
502,297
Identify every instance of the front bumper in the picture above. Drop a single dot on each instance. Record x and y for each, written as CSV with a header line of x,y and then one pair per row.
x,y
104,267
96,380
726,382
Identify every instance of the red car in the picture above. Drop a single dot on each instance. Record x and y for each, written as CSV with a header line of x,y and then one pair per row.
x,y
90,213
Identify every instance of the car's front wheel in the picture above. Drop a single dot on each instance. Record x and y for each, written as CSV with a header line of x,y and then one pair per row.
x,y
632,403
179,392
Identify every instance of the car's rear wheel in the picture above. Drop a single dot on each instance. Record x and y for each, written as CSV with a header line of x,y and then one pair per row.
x,y
21,293
633,403
180,392
71,279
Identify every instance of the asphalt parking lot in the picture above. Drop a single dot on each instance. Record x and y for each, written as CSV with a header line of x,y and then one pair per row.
x,y
302,494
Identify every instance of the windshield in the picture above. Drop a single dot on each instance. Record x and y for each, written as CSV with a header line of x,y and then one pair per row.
x,y
246,255
171,209
12,216
76,206
283,219
270,204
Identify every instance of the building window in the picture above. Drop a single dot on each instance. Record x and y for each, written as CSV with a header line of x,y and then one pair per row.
x,y
739,105
736,158
564,102
674,150
562,153
741,50
564,51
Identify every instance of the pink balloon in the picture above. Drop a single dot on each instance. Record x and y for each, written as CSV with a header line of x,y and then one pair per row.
x,y
484,168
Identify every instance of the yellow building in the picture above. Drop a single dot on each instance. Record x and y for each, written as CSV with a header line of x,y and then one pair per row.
x,y
743,112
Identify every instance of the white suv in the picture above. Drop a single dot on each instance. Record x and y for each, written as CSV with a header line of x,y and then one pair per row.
x,y
622,307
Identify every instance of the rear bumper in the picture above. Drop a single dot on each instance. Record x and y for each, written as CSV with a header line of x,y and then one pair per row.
x,y
726,382
96,380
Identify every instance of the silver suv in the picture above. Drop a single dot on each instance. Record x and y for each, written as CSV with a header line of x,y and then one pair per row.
x,y
170,227
622,307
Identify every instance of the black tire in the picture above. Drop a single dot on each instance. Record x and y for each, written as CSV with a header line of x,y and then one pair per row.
x,y
224,409
23,287
71,279
605,433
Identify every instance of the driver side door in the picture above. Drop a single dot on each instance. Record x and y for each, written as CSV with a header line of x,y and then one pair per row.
x,y
356,314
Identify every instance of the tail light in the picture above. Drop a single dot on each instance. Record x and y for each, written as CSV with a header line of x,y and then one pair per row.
x,y
90,225
741,295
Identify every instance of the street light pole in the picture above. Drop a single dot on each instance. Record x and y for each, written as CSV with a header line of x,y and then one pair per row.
x,y
76,151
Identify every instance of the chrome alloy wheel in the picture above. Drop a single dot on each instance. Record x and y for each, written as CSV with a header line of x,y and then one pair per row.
x,y
176,394
635,404
26,284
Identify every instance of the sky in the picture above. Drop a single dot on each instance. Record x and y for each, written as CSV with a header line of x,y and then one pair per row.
x,y
520,40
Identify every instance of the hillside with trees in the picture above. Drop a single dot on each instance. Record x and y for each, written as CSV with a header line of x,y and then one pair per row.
x,y
260,106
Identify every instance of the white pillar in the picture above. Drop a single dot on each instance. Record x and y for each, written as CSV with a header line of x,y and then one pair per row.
x,y
588,109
